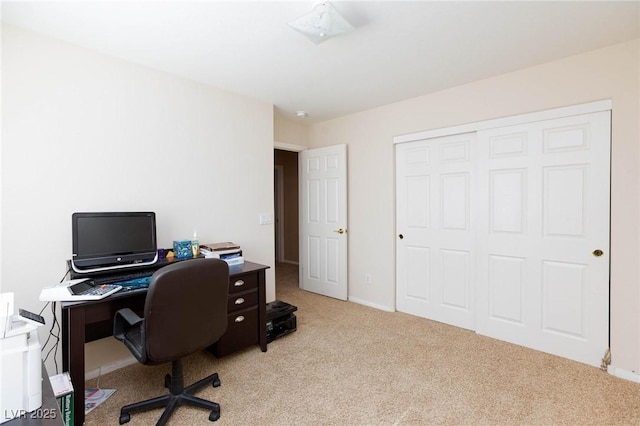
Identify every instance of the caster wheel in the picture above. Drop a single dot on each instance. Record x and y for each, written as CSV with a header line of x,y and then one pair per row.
x,y
124,418
167,381
215,415
216,383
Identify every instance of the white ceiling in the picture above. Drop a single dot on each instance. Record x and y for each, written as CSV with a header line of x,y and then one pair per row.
x,y
397,51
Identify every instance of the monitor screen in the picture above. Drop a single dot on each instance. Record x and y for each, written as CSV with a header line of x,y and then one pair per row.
x,y
113,239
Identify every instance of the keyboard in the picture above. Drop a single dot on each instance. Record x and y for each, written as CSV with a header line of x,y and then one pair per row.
x,y
123,277
135,284
125,282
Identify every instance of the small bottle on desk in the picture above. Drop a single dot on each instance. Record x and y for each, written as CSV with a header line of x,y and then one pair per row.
x,y
195,247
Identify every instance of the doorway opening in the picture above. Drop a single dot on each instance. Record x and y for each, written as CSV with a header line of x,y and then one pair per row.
x,y
285,190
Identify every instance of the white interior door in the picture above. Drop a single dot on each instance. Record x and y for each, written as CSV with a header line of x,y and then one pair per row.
x,y
435,242
543,211
323,221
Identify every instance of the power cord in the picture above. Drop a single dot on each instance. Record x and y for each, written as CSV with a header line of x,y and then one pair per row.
x,y
55,334
65,274
45,307
54,331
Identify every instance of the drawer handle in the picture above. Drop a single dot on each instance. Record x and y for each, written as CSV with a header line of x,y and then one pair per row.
x,y
239,318
239,283
239,301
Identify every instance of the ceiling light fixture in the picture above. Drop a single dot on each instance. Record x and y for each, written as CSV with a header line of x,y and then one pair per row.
x,y
301,114
322,23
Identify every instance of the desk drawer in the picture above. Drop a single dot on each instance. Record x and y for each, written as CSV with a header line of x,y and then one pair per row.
x,y
243,283
239,301
242,331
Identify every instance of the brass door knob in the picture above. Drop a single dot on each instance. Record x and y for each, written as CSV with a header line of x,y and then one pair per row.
x,y
598,253
340,230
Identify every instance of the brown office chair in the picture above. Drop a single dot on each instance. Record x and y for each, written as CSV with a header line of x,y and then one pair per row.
x,y
185,311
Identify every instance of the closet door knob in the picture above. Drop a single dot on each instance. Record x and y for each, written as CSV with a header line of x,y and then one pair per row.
x,y
598,253
400,236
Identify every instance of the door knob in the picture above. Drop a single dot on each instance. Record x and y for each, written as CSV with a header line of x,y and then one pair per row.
x,y
598,253
400,236
340,230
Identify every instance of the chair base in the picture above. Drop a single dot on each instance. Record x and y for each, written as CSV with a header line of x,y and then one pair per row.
x,y
178,396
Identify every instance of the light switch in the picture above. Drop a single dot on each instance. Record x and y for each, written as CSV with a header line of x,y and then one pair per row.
x,y
266,219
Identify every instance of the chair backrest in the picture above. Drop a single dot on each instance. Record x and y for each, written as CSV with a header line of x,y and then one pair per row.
x,y
186,308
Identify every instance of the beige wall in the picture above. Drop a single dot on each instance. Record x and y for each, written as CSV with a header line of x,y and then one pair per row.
x,y
609,73
289,131
87,132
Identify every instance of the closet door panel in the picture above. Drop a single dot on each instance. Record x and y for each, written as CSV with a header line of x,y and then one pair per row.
x,y
543,210
434,209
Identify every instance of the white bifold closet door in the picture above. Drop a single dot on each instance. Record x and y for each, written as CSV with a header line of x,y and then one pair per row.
x,y
543,235
435,187
506,232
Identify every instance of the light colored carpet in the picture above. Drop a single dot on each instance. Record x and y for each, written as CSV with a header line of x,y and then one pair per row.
x,y
348,364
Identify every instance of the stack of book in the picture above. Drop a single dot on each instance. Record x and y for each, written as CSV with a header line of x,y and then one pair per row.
x,y
227,251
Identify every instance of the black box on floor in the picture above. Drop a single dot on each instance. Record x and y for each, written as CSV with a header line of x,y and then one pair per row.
x,y
280,319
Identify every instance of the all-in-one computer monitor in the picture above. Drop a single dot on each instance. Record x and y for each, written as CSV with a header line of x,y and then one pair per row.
x,y
113,240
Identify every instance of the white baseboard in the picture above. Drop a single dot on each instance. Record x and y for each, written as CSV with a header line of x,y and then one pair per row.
x,y
109,368
371,305
623,374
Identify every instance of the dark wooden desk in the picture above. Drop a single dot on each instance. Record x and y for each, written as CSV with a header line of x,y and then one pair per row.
x,y
92,320
47,415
